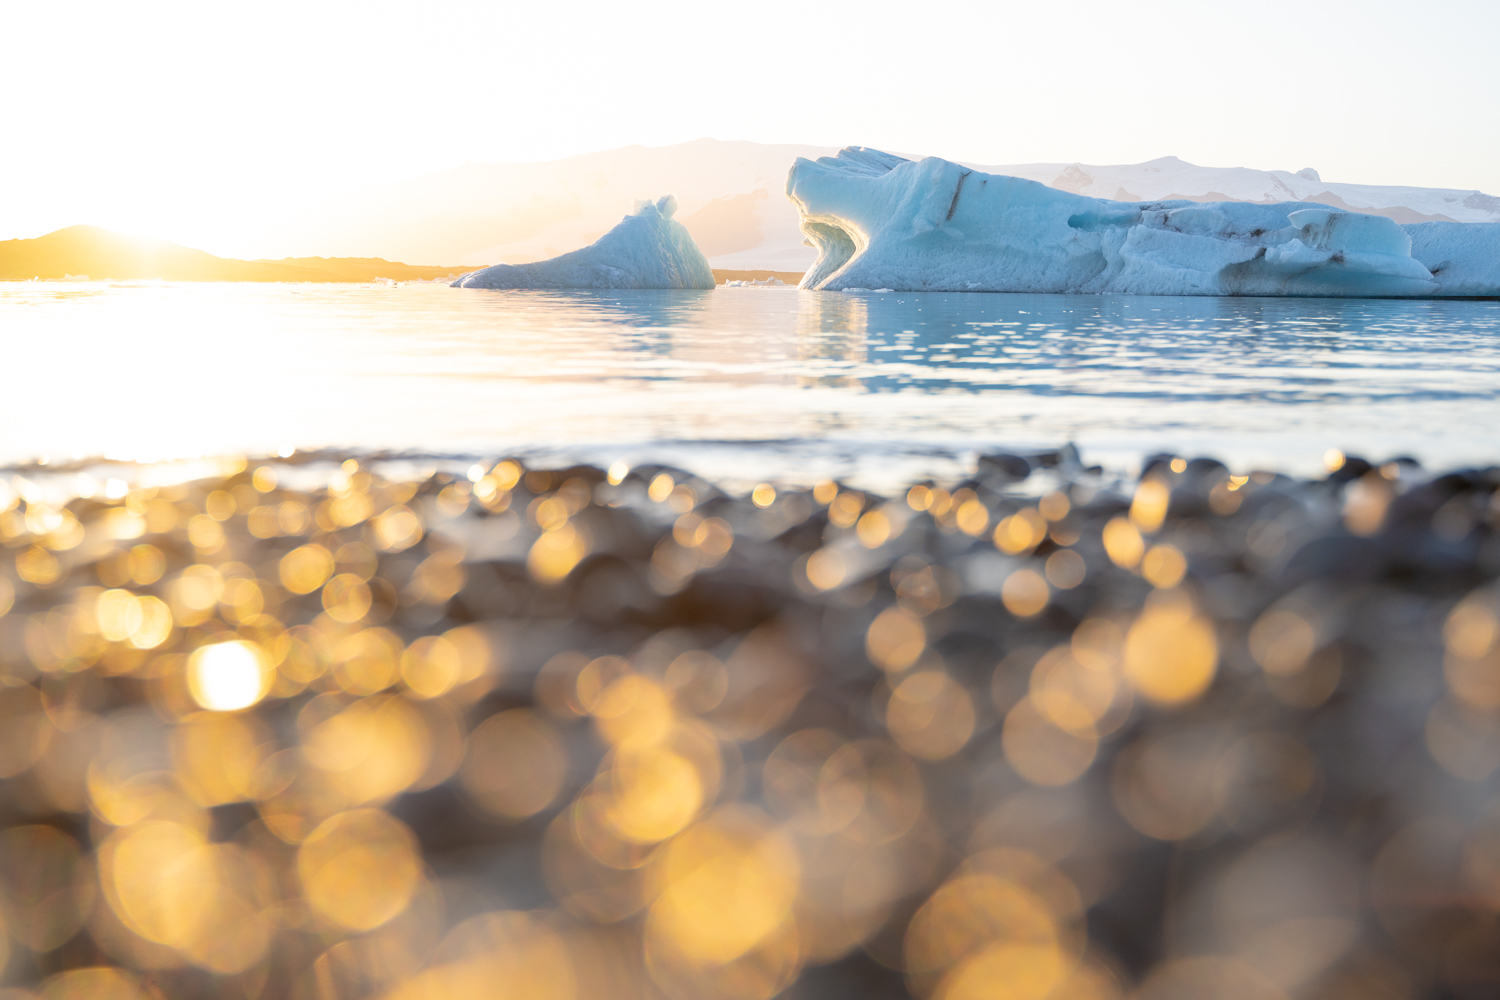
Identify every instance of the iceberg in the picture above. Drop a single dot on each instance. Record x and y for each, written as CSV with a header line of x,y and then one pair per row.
x,y
882,221
648,249
1464,258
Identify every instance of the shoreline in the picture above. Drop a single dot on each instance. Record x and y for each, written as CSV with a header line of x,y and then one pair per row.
x,y
733,466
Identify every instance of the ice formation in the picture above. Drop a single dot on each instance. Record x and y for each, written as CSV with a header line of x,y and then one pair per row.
x,y
1464,258
880,221
648,249
771,282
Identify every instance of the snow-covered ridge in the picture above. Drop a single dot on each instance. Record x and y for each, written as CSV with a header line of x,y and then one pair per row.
x,y
648,249
878,220
1171,179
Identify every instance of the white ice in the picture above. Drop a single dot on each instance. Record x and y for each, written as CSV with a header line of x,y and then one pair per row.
x,y
648,249
1465,259
878,221
771,282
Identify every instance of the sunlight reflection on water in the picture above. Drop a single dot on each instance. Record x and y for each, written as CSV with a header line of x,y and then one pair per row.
x,y
153,371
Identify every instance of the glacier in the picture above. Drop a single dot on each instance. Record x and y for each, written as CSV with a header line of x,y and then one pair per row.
x,y
648,249
881,221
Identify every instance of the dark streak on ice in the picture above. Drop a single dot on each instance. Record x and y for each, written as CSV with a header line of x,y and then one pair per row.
x,y
953,205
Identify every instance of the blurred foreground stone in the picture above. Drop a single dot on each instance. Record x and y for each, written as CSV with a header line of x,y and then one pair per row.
x,y
569,733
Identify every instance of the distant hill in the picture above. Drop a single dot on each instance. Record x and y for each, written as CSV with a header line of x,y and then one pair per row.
x,y
103,254
731,197
732,200
1169,178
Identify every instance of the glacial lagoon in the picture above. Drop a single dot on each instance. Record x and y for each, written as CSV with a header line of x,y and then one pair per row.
x,y
741,384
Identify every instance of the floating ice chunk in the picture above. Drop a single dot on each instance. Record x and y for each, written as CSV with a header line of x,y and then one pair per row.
x,y
648,249
771,282
880,221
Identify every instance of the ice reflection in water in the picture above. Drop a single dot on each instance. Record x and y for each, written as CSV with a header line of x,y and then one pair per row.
x,y
171,370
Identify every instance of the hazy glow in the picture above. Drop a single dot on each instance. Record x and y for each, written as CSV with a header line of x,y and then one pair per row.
x,y
202,123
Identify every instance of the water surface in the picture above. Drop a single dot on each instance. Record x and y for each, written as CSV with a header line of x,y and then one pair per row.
x,y
743,383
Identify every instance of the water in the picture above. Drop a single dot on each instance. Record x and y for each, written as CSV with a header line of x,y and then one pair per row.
x,y
740,383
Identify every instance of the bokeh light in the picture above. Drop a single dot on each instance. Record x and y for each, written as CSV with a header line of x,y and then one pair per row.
x,y
515,765
227,676
360,868
1171,653
571,733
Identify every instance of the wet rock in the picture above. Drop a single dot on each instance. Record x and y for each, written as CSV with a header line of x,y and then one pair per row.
x,y
1352,468
1345,558
1012,467
1205,469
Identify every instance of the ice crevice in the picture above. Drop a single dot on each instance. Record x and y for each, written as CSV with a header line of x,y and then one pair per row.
x,y
882,221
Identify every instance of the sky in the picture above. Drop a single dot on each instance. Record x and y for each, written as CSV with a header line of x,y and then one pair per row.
x,y
199,121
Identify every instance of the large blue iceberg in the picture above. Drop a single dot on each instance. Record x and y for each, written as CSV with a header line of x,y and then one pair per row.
x,y
881,221
648,249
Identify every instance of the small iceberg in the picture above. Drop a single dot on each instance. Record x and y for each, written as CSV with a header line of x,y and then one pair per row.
x,y
648,249
771,282
879,221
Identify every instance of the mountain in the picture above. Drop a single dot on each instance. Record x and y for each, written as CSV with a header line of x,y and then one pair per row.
x,y
104,254
1170,178
731,198
732,201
